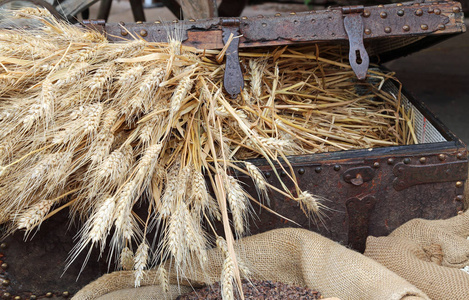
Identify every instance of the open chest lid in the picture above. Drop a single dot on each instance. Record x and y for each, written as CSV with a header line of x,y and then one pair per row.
x,y
380,32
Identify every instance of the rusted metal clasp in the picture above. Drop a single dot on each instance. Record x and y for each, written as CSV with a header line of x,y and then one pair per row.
x,y
357,176
353,24
233,80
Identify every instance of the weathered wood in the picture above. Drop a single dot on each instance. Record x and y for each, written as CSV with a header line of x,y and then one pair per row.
x,y
198,9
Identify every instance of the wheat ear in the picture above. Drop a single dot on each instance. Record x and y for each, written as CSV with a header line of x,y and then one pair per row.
x,y
227,273
127,259
34,215
141,258
238,204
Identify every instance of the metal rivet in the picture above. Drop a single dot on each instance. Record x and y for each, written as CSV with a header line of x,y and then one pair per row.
x,y
6,296
124,33
301,171
424,26
157,22
267,174
5,282
244,17
3,245
264,25
406,27
407,160
260,16
459,184
318,169
417,4
65,294
278,15
176,21
295,22
456,9
313,21
366,13
121,23
367,31
293,13
423,160
459,198
139,22
336,167
49,295
283,173
381,5
437,11
143,32
390,161
430,10
441,27
32,297
4,266
387,29
376,165
400,12
419,12
441,157
17,297
399,4
460,155
383,15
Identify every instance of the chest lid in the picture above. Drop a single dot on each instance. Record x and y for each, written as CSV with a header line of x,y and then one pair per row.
x,y
379,33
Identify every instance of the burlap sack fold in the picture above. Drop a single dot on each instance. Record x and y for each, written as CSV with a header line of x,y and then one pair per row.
x,y
292,256
428,254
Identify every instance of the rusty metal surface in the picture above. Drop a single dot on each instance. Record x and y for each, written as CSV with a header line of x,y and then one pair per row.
x,y
407,175
34,268
351,225
393,20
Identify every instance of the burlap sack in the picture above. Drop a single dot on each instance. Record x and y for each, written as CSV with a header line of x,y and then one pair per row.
x,y
293,256
428,254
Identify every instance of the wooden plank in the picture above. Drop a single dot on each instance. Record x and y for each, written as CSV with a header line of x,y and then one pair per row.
x,y
198,9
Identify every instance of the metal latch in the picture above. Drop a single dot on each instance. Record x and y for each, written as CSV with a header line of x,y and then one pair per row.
x,y
358,176
233,80
353,24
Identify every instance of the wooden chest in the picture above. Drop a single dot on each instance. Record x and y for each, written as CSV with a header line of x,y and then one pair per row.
x,y
367,191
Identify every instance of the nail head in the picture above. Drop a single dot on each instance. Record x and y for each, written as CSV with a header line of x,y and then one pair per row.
x,y
459,184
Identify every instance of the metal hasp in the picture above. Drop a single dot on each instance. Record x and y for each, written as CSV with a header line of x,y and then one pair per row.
x,y
359,213
353,24
233,80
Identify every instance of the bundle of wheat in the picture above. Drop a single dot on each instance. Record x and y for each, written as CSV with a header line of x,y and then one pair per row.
x,y
100,127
